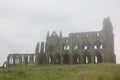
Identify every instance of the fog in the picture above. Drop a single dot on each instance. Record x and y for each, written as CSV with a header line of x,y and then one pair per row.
x,y
23,23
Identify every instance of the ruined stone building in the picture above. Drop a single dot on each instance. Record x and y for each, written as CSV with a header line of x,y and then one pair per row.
x,y
77,48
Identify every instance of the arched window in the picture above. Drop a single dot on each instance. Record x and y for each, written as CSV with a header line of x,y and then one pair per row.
x,y
101,46
97,58
5,64
95,47
11,59
17,60
97,34
50,59
86,45
87,35
87,58
28,58
75,47
78,60
34,58
57,58
98,45
65,48
22,58
66,58
68,47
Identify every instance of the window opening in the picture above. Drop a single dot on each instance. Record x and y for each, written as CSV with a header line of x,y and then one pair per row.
x,y
86,60
85,47
98,34
96,59
95,47
50,59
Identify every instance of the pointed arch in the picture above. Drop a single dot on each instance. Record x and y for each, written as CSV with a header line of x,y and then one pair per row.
x,y
86,45
11,59
50,59
97,58
76,58
54,34
17,59
98,45
66,58
86,58
57,58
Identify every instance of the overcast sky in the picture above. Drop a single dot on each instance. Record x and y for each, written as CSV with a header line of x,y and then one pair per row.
x,y
25,22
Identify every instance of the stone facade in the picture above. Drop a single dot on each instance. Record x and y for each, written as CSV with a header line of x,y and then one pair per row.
x,y
20,59
77,48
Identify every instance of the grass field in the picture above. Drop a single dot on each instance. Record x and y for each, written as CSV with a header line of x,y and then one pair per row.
x,y
62,72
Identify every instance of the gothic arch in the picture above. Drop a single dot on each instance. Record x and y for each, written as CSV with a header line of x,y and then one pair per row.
x,y
57,58
50,59
66,58
26,59
97,58
98,45
4,65
76,58
54,34
11,59
23,58
86,58
17,59
86,45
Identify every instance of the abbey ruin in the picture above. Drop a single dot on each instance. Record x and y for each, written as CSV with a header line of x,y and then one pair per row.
x,y
77,48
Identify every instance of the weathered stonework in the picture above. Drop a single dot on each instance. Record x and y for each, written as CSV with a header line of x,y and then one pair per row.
x,y
20,59
78,48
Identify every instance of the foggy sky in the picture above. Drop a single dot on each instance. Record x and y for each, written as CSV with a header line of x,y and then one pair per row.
x,y
23,23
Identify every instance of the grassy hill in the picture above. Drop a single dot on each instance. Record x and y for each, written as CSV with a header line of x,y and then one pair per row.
x,y
62,72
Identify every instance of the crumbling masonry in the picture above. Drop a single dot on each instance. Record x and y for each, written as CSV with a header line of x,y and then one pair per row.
x,y
78,48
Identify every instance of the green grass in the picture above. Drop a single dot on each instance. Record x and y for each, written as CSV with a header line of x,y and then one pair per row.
x,y
62,72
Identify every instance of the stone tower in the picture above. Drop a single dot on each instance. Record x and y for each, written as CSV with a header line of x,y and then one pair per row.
x,y
109,41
